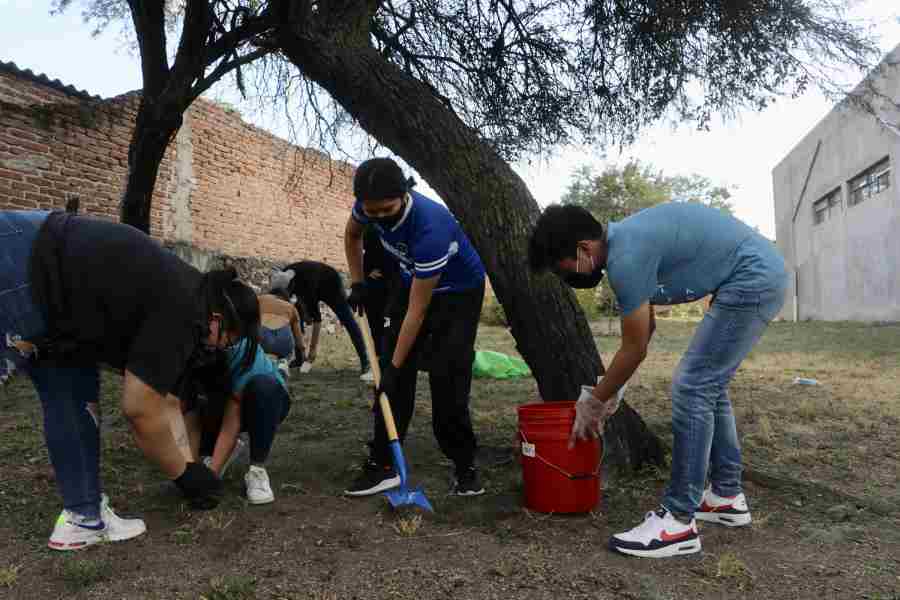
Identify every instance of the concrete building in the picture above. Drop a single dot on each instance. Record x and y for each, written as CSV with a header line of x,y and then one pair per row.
x,y
837,208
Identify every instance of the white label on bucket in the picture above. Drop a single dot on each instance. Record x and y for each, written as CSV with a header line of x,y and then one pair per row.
x,y
528,449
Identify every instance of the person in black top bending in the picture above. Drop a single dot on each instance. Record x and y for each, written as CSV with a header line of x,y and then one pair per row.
x,y
76,292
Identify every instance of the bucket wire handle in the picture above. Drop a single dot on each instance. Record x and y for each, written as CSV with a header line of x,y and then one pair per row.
x,y
596,473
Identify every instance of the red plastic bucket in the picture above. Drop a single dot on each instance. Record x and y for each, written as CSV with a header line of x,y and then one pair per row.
x,y
557,480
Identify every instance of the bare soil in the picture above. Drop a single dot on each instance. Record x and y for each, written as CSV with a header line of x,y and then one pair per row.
x,y
823,465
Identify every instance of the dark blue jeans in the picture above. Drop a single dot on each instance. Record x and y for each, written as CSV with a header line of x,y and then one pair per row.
x,y
264,405
279,342
72,433
345,314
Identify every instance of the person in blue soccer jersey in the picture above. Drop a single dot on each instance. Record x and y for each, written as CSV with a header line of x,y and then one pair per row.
x,y
670,254
435,307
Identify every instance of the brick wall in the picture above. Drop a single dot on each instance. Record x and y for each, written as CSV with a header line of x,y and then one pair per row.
x,y
224,187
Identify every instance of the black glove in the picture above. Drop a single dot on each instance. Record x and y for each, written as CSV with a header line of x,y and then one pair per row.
x,y
299,357
200,486
390,376
357,297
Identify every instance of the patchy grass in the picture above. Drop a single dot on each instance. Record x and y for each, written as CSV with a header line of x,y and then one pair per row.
x,y
9,575
314,543
82,572
231,588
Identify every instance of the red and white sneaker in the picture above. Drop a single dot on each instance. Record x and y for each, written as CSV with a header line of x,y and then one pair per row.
x,y
660,535
731,512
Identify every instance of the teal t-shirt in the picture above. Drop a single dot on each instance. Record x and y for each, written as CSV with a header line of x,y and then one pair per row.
x,y
680,252
262,365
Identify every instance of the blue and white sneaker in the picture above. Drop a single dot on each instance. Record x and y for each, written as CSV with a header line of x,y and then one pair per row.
x,y
74,532
660,535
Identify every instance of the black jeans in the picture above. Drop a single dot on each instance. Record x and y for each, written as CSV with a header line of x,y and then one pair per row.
x,y
376,301
447,338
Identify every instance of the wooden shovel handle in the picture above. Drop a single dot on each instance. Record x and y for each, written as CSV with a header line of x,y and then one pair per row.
x,y
369,343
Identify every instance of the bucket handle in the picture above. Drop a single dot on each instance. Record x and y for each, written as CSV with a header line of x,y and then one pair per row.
x,y
573,477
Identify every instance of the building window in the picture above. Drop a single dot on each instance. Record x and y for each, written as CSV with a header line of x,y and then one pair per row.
x,y
827,207
870,182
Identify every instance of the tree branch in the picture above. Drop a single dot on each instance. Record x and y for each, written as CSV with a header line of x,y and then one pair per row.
x,y
222,69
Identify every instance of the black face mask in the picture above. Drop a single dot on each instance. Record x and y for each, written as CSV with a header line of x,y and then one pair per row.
x,y
390,221
582,281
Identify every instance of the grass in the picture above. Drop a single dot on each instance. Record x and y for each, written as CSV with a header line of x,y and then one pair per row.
x,y
842,433
82,572
230,588
9,575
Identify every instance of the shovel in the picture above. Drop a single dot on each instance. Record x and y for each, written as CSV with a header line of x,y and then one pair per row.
x,y
403,495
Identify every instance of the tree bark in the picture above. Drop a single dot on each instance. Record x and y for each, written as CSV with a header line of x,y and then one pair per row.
x,y
149,141
492,204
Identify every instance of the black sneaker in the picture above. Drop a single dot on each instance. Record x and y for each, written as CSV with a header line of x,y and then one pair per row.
x,y
374,478
467,483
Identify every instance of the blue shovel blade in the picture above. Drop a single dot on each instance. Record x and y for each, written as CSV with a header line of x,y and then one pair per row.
x,y
403,496
407,497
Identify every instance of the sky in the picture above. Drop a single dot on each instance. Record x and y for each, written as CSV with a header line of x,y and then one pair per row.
x,y
740,153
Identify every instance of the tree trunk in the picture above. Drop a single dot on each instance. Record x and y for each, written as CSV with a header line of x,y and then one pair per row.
x,y
149,140
493,206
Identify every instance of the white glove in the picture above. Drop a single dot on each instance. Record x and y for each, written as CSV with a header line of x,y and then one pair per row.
x,y
612,405
591,415
588,416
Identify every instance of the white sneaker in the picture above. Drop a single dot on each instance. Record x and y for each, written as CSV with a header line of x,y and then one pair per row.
x,y
258,489
117,528
74,532
659,536
731,512
284,366
368,376
306,367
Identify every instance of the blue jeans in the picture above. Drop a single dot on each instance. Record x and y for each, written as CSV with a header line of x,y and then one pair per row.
x,y
705,437
279,342
72,433
345,314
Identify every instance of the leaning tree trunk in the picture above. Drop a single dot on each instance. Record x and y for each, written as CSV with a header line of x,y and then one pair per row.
x,y
153,129
491,202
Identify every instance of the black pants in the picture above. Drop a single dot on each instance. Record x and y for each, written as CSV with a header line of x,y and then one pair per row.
x,y
448,338
376,302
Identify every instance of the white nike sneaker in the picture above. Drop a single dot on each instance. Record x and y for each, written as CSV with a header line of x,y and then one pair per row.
x,y
731,512
660,535
368,376
74,532
117,528
258,489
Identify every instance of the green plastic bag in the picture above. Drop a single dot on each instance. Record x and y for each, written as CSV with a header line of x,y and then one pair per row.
x,y
498,366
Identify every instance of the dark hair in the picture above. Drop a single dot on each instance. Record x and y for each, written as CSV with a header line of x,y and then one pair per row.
x,y
380,178
557,233
238,305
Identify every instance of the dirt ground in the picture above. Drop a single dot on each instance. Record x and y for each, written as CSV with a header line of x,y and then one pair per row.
x,y
823,465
